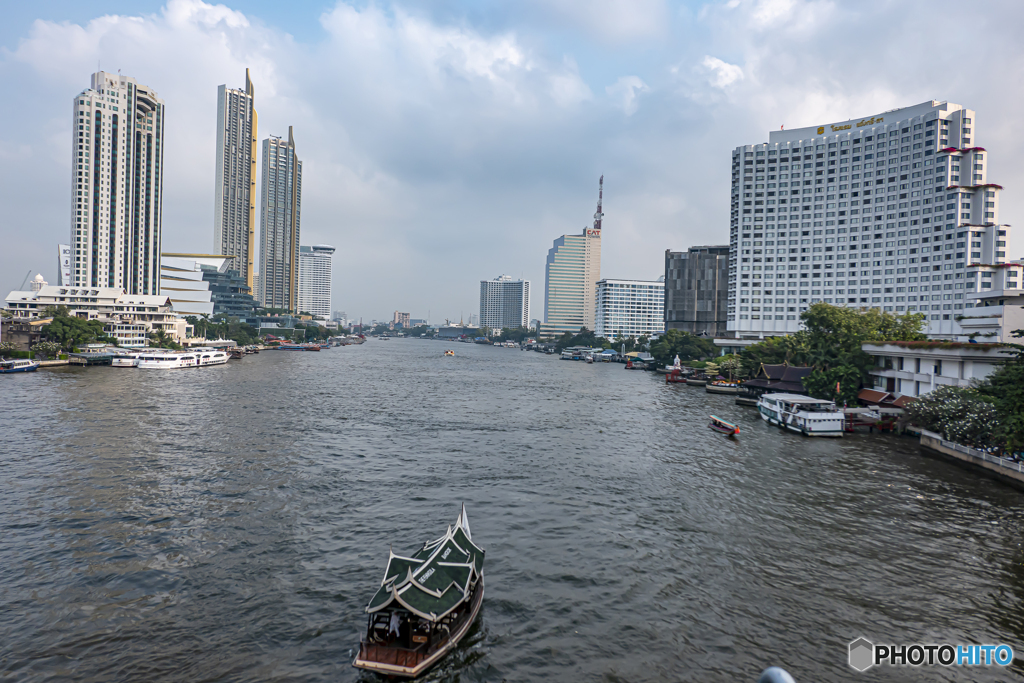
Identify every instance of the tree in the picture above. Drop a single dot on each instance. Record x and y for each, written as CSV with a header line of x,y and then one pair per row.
x,y
959,414
730,363
70,331
1005,389
161,339
583,338
46,349
683,344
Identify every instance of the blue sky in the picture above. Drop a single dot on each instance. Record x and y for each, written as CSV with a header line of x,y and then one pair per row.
x,y
447,142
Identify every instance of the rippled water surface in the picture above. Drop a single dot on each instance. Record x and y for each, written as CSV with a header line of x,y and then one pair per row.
x,y
230,523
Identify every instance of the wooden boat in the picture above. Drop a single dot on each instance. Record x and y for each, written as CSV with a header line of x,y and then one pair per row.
x,y
697,382
675,377
18,365
720,425
237,354
722,387
426,603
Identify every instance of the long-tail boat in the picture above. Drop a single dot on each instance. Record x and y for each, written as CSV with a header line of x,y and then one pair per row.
x,y
426,603
720,425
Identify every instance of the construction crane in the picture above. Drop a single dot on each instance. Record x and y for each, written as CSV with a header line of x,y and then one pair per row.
x,y
22,288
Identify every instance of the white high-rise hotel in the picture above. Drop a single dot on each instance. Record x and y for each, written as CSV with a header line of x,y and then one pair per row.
x,y
504,302
315,279
280,223
885,212
117,181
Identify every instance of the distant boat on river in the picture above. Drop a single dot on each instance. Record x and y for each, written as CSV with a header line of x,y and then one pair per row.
x,y
426,603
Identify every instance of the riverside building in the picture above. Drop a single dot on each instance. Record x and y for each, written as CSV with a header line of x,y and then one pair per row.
x,y
570,278
504,302
886,211
629,308
280,223
234,208
116,186
315,280
697,290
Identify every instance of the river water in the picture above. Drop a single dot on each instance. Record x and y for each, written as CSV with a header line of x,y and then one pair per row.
x,y
230,524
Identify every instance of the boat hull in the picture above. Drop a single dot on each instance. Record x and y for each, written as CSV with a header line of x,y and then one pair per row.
x,y
713,389
697,382
411,670
22,368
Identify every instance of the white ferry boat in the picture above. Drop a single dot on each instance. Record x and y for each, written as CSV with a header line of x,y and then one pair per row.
x,y
803,414
126,360
211,356
168,361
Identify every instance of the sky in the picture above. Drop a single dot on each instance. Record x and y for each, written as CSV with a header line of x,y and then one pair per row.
x,y
449,141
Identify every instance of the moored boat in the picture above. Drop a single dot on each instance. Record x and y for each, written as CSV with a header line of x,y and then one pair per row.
x,y
722,387
426,603
8,367
126,360
720,425
696,382
803,414
675,377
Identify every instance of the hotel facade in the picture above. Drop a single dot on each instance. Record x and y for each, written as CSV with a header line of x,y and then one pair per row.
x,y
315,274
629,308
504,302
887,211
116,186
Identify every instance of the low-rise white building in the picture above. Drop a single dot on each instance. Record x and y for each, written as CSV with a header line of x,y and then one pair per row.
x,y
107,304
630,308
916,368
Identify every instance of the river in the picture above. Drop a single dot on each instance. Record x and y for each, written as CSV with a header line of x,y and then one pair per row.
x,y
231,523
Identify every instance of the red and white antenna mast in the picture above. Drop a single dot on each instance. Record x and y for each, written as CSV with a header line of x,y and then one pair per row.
x,y
600,198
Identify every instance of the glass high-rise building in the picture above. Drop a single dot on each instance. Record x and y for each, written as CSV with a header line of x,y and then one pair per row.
x,y
234,210
116,185
280,223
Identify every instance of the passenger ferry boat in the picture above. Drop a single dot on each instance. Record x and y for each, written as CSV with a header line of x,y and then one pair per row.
x,y
168,361
211,356
126,360
803,414
426,603
18,365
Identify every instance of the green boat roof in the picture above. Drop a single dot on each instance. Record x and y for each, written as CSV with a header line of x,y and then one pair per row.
x,y
436,578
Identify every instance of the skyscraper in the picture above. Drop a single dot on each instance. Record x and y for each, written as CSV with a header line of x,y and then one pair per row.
x,y
570,278
874,212
117,181
504,302
280,221
630,308
234,209
315,279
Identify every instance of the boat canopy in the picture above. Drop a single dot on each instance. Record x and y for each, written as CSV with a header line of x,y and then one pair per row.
x,y
436,578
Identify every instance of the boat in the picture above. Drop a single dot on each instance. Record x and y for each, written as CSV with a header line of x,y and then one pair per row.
x,y
18,365
425,605
697,382
675,377
722,387
211,357
803,414
167,361
126,360
589,358
720,425
237,354
449,352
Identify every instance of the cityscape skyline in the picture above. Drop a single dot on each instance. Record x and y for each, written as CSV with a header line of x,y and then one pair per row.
x,y
641,115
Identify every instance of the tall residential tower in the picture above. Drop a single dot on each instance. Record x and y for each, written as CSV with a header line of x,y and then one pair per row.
x,y
886,211
117,181
234,210
280,221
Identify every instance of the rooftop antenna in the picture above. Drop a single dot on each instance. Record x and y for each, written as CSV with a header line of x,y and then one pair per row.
x,y
600,198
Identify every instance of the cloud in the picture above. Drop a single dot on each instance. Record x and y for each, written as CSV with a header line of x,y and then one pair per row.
x,y
723,74
444,148
625,90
